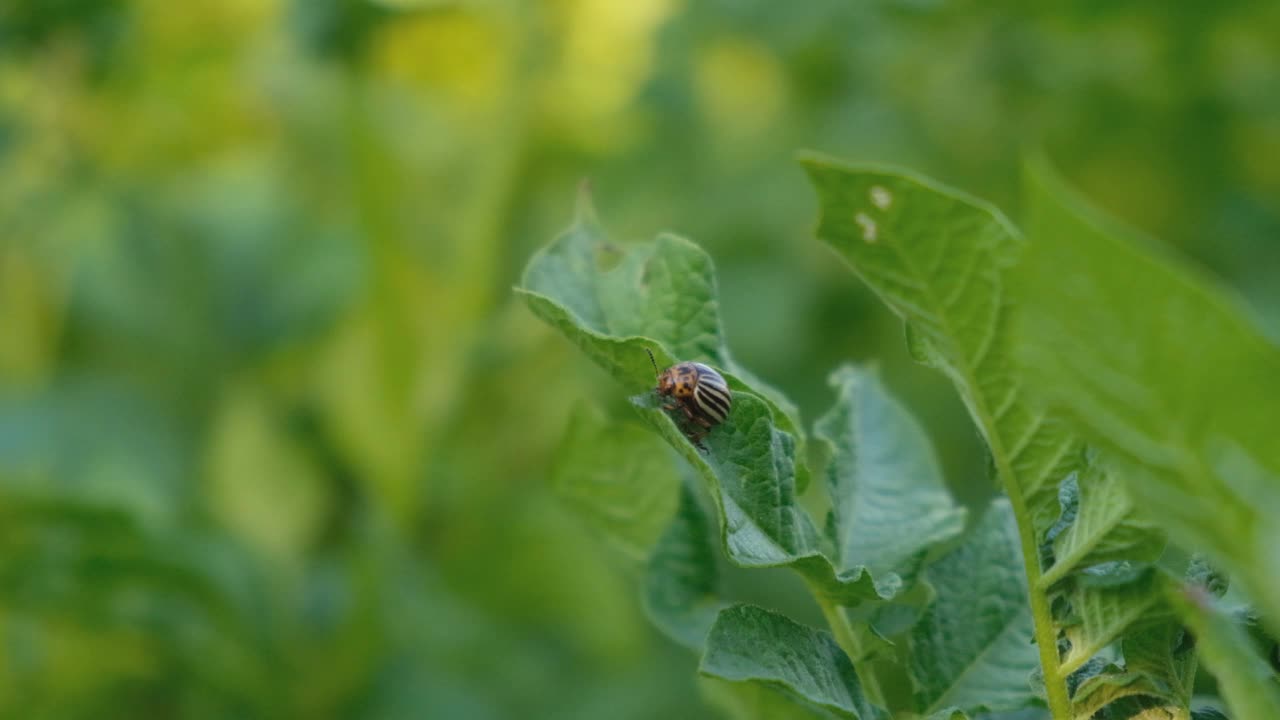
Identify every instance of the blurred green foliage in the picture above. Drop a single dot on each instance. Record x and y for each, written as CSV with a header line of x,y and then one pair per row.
x,y
275,439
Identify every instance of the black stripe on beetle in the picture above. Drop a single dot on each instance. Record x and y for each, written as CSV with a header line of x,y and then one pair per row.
x,y
699,392
721,401
712,401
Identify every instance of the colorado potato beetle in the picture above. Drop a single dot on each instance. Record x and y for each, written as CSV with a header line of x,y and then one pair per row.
x,y
698,391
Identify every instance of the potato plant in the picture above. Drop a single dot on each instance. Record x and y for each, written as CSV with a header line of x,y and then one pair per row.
x,y
1126,404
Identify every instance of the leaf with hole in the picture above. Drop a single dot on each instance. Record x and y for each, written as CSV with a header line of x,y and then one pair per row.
x,y
938,259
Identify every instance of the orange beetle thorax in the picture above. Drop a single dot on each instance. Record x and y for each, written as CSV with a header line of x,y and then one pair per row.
x,y
678,380
666,383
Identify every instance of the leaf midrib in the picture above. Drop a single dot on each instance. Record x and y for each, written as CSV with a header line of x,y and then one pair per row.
x,y
1045,635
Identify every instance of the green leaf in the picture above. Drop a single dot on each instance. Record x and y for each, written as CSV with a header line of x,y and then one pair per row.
x,y
751,645
749,467
889,502
1106,526
1128,696
1155,681
1106,688
614,305
1105,602
1159,662
618,478
1164,373
972,649
938,259
1104,529
757,701
1160,651
682,584
1245,679
608,299
942,261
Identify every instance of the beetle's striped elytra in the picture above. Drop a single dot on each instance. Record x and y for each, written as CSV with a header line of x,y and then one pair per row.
x,y
697,390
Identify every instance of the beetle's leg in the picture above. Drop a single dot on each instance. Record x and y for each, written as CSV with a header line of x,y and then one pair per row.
x,y
696,439
688,413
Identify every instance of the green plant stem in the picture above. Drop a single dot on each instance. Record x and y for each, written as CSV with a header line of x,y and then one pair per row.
x,y
1045,634
849,643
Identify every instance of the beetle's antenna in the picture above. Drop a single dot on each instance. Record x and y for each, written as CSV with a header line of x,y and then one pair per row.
x,y
655,362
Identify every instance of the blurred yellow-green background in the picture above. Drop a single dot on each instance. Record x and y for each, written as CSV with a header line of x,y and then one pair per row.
x,y
274,435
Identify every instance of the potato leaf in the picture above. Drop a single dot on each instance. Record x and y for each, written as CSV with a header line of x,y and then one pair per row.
x,y
1156,677
1105,527
614,304
682,581
1244,678
938,260
972,649
748,644
889,502
757,701
1165,373
942,261
616,297
1105,602
619,479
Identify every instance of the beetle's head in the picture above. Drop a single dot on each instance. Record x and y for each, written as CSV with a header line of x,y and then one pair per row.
x,y
666,378
666,382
